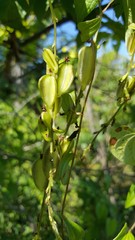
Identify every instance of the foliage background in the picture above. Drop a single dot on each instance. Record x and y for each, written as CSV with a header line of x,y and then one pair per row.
x,y
99,182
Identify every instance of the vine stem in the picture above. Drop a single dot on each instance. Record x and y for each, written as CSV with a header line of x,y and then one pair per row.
x,y
73,109
130,63
107,6
132,227
41,215
54,19
74,155
102,129
48,203
43,200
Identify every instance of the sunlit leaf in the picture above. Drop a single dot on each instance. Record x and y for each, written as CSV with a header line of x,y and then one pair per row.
x,y
84,7
122,233
89,28
130,200
128,236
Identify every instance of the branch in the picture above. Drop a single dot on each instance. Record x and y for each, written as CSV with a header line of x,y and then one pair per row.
x,y
43,31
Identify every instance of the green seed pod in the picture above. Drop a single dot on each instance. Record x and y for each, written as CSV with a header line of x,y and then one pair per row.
x,y
126,88
130,85
130,39
38,175
46,118
86,65
66,145
49,58
48,89
65,78
44,131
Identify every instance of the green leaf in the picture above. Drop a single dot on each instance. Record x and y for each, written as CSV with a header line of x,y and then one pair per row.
x,y
67,103
121,131
101,210
122,233
132,6
69,7
129,152
122,144
84,7
129,11
118,8
39,8
117,29
111,226
128,236
130,200
89,28
75,231
9,14
63,166
118,149
24,4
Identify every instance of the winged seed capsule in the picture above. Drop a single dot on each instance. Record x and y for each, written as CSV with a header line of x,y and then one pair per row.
x,y
86,65
130,38
65,78
38,175
48,89
126,88
49,58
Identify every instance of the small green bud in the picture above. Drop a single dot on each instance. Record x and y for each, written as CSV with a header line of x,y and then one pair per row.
x,y
44,131
50,60
46,118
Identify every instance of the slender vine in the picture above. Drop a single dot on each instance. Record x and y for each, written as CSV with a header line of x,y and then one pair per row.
x,y
105,125
75,150
54,19
48,203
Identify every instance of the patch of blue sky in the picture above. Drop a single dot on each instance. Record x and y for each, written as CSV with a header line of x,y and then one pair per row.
x,y
66,34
